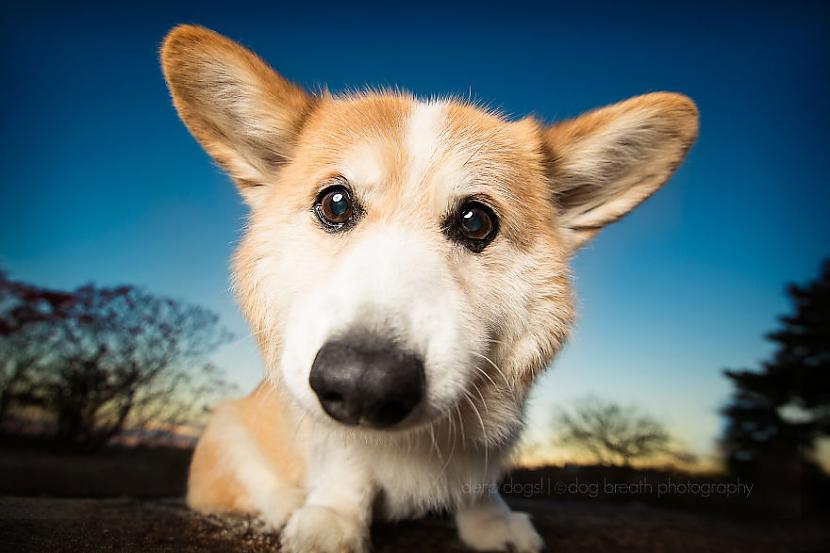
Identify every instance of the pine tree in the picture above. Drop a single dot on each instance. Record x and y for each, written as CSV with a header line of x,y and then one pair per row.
x,y
777,414
785,407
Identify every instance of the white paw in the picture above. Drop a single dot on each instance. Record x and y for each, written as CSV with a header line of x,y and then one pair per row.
x,y
314,529
503,532
279,506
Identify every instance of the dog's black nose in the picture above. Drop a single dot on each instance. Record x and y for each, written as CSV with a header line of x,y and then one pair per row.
x,y
360,382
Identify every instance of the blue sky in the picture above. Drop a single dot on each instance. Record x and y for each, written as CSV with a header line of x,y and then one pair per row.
x,y
101,182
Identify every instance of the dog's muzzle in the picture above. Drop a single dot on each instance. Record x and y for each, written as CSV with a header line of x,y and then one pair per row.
x,y
367,382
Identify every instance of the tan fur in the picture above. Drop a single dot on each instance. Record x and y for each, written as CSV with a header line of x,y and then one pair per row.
x,y
496,318
265,415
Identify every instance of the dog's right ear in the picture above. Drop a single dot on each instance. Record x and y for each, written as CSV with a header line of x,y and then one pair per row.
x,y
245,115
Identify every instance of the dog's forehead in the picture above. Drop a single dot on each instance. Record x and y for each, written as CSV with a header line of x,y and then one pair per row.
x,y
417,159
396,146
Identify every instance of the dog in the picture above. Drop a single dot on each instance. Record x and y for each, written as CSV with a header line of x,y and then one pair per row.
x,y
405,271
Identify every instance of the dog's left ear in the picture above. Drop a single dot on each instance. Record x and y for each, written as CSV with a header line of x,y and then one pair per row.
x,y
244,114
605,162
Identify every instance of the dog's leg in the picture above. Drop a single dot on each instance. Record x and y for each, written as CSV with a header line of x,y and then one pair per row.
x,y
337,512
230,473
490,525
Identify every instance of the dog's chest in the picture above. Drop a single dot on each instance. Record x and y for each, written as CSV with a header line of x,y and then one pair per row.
x,y
415,481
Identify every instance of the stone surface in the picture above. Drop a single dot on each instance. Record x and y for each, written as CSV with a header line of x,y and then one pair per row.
x,y
45,525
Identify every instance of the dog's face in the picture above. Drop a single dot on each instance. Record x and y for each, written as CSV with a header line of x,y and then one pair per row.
x,y
404,257
409,242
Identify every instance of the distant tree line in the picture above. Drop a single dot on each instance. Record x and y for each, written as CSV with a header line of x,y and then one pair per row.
x,y
88,365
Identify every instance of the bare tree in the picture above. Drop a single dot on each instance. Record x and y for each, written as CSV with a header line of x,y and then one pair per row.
x,y
613,434
103,359
25,334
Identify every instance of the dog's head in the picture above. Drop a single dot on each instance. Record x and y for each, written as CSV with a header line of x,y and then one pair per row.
x,y
406,257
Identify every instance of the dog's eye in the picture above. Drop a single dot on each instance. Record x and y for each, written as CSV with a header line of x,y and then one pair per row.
x,y
475,226
335,207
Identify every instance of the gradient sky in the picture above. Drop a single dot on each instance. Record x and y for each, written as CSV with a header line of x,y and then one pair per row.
x,y
101,182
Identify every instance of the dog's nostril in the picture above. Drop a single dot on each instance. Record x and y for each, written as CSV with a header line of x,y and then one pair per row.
x,y
331,397
336,405
392,413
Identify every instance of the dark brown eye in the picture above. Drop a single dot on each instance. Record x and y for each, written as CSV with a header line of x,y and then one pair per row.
x,y
335,207
475,226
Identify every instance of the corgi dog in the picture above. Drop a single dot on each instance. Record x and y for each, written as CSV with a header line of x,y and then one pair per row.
x,y
405,272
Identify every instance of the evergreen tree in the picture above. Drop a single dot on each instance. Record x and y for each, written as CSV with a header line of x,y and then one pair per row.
x,y
781,410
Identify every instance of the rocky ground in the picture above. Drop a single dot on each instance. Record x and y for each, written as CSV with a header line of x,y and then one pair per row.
x,y
45,525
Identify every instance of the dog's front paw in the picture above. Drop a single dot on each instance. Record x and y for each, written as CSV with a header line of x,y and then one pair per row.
x,y
509,531
279,506
315,529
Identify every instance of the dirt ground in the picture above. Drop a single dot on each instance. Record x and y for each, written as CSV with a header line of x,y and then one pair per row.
x,y
45,525
123,510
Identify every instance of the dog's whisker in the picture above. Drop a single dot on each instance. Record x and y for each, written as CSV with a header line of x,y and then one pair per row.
x,y
434,444
453,440
450,427
485,375
444,462
483,428
481,396
442,473
510,386
461,426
